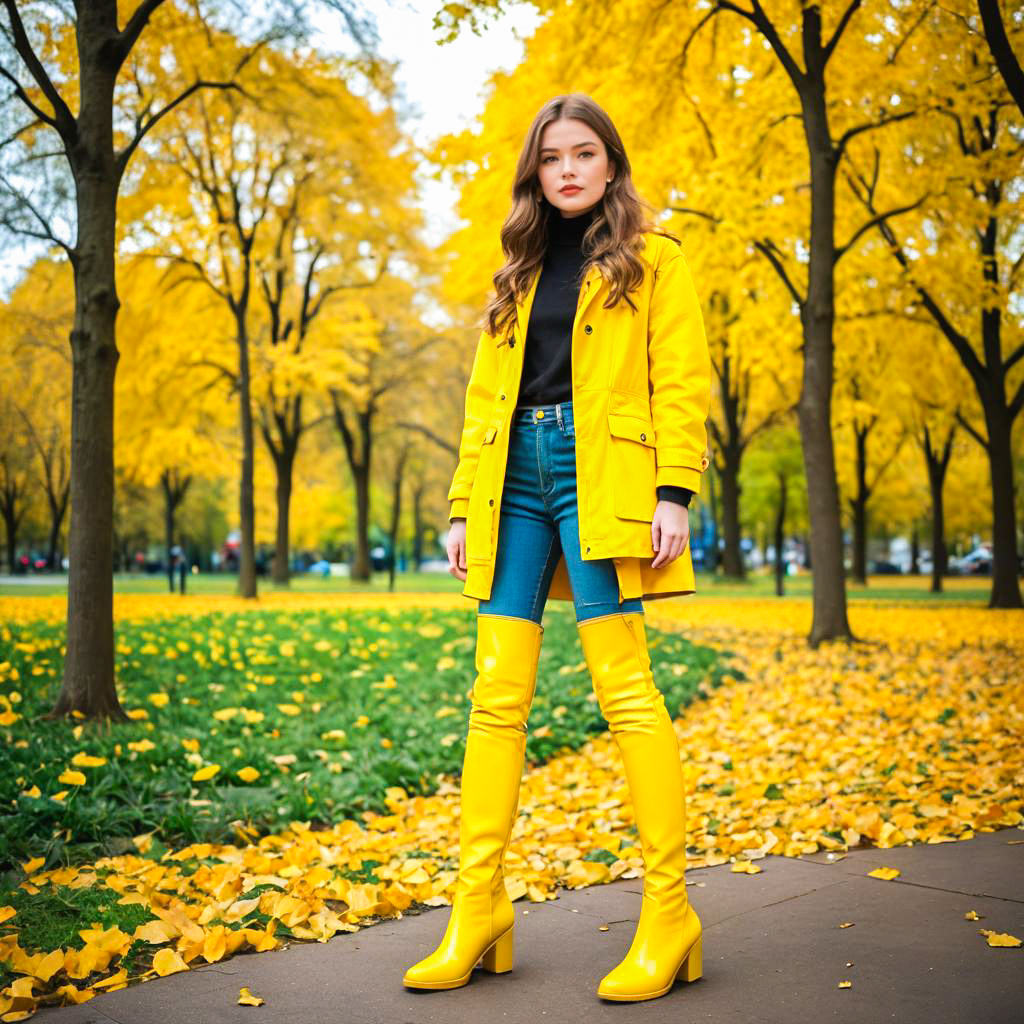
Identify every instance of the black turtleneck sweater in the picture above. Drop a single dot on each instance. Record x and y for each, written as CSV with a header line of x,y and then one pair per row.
x,y
547,357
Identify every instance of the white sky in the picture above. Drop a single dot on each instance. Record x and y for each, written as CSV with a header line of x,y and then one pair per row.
x,y
445,83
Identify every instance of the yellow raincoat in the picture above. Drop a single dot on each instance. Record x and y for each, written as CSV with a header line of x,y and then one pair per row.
x,y
641,392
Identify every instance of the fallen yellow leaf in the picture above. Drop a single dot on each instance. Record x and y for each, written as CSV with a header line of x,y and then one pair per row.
x,y
168,961
885,873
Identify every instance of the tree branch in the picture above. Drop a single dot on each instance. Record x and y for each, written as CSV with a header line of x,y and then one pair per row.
x,y
769,249
840,28
768,30
959,417
999,45
447,446
122,158
129,35
840,145
24,97
1017,402
63,120
868,225
1013,359
46,234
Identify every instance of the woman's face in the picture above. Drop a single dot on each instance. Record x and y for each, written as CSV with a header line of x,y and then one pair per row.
x,y
572,155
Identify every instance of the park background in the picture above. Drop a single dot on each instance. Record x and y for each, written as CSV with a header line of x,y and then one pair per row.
x,y
243,273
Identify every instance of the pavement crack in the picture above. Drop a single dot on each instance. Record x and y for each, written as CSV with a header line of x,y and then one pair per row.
x,y
958,892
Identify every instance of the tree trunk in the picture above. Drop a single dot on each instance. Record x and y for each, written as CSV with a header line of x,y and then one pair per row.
x,y
419,525
284,467
57,495
829,619
361,438
88,684
362,566
1005,582
937,464
732,556
780,538
859,505
11,496
246,500
711,511
730,442
282,430
396,514
11,528
174,488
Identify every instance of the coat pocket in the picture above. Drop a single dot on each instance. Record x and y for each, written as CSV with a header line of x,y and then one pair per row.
x,y
480,516
632,466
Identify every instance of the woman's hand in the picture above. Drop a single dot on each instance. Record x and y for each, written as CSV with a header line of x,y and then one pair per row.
x,y
670,532
457,548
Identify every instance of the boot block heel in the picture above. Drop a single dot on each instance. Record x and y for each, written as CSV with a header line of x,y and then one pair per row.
x,y
501,954
691,968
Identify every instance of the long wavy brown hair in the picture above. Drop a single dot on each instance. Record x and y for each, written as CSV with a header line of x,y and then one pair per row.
x,y
613,240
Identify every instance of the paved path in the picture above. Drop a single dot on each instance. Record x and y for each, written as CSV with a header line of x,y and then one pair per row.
x,y
773,953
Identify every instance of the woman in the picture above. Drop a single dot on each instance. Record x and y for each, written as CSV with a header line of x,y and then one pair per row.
x,y
584,438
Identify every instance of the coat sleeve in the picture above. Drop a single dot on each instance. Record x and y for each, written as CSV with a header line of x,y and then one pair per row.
x,y
680,375
483,380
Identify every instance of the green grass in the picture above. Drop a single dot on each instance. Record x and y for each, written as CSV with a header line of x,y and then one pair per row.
x,y
957,589
327,668
53,917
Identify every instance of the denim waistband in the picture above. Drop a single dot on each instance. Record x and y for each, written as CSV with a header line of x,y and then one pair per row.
x,y
555,412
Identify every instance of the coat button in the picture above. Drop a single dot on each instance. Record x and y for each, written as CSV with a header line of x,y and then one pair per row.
x,y
490,501
503,398
588,550
588,329
643,437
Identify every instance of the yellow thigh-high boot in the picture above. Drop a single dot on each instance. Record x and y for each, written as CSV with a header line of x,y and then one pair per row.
x,y
480,926
667,942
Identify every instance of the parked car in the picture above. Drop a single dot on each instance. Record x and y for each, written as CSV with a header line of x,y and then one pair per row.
x,y
976,563
880,568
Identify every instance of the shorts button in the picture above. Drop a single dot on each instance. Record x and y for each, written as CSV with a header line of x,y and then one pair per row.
x,y
540,414
588,549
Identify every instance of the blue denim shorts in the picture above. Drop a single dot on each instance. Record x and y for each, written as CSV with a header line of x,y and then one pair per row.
x,y
540,519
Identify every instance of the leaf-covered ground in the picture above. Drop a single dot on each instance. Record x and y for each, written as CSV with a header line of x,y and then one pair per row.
x,y
914,734
259,717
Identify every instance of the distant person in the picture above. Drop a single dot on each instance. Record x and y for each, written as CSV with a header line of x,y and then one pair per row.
x,y
175,557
